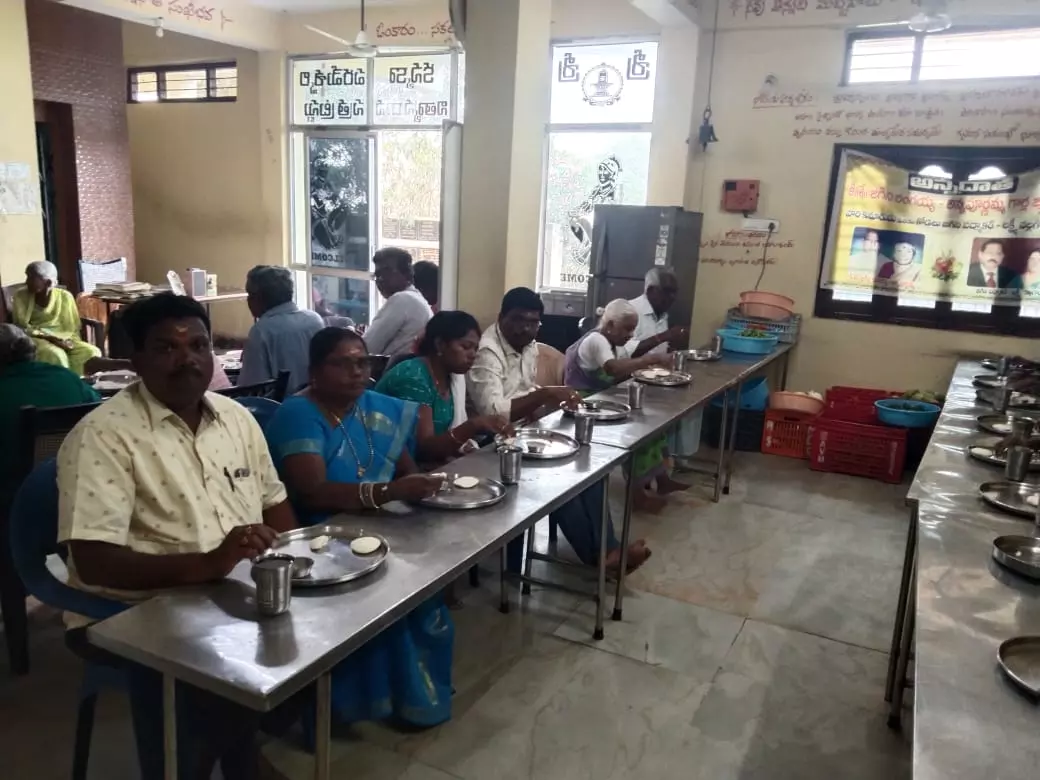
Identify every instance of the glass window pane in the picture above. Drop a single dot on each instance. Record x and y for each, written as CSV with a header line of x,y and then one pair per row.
x,y
144,86
337,296
412,90
225,82
874,60
981,55
339,202
586,170
410,191
185,85
603,83
330,92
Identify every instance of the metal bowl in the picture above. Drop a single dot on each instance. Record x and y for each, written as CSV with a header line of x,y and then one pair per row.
x,y
1021,554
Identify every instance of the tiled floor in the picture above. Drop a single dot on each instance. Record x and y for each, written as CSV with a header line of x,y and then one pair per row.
x,y
749,649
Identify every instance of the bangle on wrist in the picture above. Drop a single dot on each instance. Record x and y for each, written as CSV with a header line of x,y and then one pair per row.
x,y
382,490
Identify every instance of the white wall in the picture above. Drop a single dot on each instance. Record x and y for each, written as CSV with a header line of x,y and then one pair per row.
x,y
803,52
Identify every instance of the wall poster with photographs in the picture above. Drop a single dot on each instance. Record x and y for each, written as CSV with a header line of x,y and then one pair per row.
x,y
894,231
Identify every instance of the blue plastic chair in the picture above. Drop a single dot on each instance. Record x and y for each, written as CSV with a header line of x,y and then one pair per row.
x,y
263,409
34,536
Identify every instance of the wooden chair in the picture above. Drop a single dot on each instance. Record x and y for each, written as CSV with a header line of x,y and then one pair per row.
x,y
39,437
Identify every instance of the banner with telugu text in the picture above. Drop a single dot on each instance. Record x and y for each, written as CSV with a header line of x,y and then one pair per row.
x,y
896,232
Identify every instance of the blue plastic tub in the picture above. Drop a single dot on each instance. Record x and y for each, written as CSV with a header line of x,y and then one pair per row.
x,y
754,395
904,413
732,341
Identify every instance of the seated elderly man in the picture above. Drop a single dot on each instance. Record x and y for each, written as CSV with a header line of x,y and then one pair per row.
x,y
405,314
502,383
653,335
163,486
281,337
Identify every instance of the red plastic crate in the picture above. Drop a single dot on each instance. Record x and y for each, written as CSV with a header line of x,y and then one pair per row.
x,y
854,404
786,433
873,451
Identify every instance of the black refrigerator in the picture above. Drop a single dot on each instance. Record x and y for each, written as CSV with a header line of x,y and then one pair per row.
x,y
627,241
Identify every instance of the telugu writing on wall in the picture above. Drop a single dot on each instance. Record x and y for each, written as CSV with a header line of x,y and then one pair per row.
x,y
1003,115
736,249
205,13
740,13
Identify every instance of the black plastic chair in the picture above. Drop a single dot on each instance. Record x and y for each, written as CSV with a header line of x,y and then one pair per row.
x,y
275,389
39,437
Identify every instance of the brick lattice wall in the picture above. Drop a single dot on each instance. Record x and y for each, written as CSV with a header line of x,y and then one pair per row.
x,y
77,58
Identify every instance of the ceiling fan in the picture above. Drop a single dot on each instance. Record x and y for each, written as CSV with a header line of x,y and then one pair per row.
x,y
361,47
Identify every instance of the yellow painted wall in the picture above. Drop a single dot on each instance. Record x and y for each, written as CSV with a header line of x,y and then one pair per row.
x,y
21,235
795,175
198,174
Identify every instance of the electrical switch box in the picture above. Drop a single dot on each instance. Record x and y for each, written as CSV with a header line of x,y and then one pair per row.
x,y
740,195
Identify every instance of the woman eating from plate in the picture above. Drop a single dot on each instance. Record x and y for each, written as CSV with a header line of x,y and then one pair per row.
x,y
598,360
435,380
341,447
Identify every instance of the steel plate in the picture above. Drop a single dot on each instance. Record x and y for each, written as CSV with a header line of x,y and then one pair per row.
x,y
997,460
701,355
336,563
603,410
1001,423
541,444
1021,554
487,492
673,379
1018,400
1019,657
989,381
1010,497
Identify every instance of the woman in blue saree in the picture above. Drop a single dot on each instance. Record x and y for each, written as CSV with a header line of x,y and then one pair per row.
x,y
340,447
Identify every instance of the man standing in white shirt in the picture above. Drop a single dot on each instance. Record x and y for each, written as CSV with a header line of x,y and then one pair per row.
x,y
405,313
652,335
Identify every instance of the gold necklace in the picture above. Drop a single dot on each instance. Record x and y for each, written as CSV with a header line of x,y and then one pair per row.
x,y
368,438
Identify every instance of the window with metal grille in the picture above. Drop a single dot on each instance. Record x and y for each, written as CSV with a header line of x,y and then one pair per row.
x,y
909,58
196,83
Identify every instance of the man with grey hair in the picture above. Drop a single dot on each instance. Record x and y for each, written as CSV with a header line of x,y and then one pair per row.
x,y
24,381
652,334
280,338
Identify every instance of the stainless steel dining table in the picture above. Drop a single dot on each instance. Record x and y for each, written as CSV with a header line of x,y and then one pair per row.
x,y
211,637
956,605
662,409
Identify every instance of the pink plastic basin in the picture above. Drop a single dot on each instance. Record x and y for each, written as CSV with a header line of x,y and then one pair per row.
x,y
773,299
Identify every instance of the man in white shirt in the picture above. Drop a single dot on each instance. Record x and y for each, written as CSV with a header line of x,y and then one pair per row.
x,y
405,313
502,380
502,383
661,287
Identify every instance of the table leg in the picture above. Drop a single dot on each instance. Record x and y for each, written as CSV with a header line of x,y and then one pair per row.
x,y
525,588
732,443
901,604
601,588
720,466
626,532
503,603
783,374
169,697
895,712
323,722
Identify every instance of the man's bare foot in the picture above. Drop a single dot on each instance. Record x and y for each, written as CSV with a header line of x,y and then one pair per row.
x,y
638,554
647,502
666,485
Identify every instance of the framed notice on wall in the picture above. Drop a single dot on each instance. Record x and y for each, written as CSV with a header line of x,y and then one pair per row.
x,y
330,92
901,231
